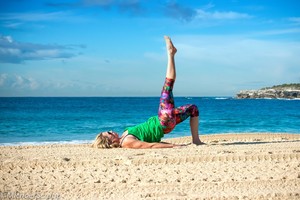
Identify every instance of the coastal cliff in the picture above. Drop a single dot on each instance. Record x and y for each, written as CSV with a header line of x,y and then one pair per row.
x,y
285,91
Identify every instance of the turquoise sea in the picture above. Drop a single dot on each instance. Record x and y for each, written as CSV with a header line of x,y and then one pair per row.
x,y
32,120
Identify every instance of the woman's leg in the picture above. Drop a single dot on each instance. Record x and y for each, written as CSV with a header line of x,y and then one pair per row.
x,y
190,110
166,106
171,50
168,115
194,124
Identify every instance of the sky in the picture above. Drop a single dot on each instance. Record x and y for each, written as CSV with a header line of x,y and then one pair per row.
x,y
116,48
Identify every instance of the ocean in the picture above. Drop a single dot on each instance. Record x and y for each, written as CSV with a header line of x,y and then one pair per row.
x,y
47,120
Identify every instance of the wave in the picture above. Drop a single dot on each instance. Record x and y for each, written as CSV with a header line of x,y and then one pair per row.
x,y
295,99
46,143
221,98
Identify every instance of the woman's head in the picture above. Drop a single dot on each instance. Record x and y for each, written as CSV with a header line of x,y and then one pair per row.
x,y
107,139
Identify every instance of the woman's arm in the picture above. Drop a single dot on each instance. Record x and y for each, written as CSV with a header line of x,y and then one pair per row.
x,y
137,144
146,145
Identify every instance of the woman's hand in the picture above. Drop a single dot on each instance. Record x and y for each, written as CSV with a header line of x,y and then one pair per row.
x,y
181,145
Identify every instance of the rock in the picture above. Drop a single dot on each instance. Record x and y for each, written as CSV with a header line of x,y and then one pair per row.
x,y
281,93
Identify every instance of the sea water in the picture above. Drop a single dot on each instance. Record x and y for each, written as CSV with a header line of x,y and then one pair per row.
x,y
32,120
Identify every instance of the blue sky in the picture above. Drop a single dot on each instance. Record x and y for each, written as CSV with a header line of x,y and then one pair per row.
x,y
116,48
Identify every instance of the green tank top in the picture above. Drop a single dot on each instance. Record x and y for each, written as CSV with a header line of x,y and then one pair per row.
x,y
149,131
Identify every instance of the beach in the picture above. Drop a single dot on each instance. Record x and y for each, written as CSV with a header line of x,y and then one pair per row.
x,y
229,166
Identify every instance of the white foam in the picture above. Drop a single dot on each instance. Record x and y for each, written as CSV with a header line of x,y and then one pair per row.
x,y
295,99
45,143
221,98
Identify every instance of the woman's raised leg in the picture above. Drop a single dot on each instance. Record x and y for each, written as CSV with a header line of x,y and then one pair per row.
x,y
166,106
170,116
171,50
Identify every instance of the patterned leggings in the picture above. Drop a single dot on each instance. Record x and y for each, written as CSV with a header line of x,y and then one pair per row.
x,y
168,115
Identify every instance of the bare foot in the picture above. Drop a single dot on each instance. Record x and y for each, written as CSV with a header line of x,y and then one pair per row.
x,y
198,142
170,47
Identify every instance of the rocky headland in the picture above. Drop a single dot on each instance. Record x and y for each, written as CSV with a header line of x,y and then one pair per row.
x,y
285,91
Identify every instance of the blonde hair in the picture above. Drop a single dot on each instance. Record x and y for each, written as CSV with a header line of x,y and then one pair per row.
x,y
103,142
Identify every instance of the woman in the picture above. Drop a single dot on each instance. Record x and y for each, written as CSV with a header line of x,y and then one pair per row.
x,y
149,134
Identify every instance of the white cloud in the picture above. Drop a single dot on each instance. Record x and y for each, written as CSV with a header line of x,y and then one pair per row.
x,y
186,13
22,85
217,15
35,16
12,25
3,78
25,20
275,32
17,82
8,39
23,82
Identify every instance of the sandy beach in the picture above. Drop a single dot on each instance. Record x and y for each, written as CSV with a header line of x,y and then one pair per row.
x,y
230,166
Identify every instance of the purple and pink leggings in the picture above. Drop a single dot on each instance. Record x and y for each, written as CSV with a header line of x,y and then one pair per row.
x,y
168,115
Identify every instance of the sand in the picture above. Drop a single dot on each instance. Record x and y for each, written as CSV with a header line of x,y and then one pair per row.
x,y
231,166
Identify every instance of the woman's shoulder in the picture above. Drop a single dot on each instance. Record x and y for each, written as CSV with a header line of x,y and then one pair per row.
x,y
127,139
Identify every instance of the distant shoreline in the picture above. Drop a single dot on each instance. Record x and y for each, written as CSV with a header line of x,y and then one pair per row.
x,y
284,91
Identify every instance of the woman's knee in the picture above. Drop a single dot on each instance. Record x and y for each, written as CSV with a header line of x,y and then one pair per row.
x,y
194,110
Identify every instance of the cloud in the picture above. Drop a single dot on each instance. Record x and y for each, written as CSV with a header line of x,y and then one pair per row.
x,y
180,12
17,82
276,32
171,9
295,20
34,16
17,52
102,3
217,15
18,20
63,5
23,85
208,6
183,12
132,7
